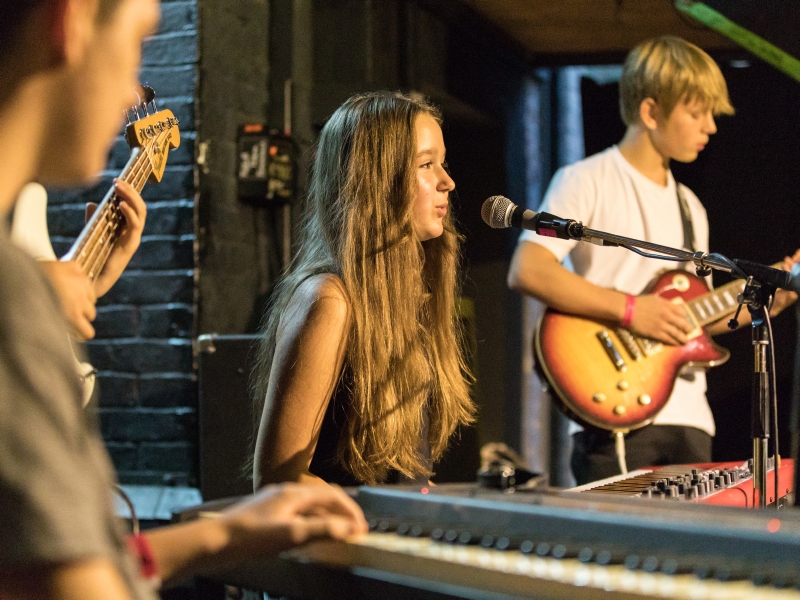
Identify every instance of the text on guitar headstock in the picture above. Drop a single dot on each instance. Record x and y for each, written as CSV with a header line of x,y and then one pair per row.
x,y
153,134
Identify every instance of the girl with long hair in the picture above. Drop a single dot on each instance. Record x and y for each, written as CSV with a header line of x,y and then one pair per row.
x,y
360,376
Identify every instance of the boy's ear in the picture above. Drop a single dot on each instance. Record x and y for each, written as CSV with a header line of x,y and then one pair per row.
x,y
71,27
649,112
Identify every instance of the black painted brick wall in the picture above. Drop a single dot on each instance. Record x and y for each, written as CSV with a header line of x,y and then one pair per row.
x,y
144,326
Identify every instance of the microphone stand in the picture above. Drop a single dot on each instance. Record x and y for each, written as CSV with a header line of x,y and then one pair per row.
x,y
759,291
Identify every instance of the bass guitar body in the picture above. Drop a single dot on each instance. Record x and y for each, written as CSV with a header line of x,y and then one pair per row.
x,y
607,377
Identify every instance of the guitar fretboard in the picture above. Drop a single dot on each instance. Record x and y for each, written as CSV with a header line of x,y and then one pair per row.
x,y
107,222
95,243
717,303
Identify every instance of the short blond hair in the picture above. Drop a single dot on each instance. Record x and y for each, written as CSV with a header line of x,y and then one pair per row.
x,y
670,70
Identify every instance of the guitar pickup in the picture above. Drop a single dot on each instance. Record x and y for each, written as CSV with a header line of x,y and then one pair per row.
x,y
611,350
627,339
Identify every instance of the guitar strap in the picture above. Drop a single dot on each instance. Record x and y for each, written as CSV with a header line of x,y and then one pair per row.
x,y
686,218
688,242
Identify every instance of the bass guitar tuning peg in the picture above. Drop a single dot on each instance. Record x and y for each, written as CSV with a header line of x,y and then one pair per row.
x,y
141,95
149,95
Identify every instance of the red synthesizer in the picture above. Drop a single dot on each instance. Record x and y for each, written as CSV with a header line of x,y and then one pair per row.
x,y
723,484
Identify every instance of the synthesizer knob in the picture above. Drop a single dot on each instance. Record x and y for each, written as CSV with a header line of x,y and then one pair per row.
x,y
385,526
585,555
650,564
437,534
702,571
604,558
719,481
559,551
691,493
465,538
403,529
417,531
632,562
672,491
487,541
502,543
542,549
451,536
527,547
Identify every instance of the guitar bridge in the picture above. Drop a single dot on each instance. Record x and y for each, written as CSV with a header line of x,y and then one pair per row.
x,y
611,350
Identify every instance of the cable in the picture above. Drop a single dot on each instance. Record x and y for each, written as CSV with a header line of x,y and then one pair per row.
x,y
649,255
619,446
774,393
129,503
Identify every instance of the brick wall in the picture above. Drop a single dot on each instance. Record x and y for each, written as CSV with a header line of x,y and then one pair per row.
x,y
143,347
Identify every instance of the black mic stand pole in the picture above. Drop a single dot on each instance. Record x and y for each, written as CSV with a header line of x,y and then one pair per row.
x,y
756,295
758,298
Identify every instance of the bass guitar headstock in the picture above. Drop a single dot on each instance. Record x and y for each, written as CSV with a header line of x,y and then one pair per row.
x,y
154,132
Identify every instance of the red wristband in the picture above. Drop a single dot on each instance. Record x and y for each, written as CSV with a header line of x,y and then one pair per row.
x,y
630,310
140,548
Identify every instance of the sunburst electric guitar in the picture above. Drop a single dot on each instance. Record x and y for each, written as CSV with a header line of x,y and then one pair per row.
x,y
608,377
150,139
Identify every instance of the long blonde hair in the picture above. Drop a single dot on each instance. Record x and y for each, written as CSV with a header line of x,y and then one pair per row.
x,y
403,352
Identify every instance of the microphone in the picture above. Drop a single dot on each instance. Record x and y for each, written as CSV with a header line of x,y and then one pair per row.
x,y
786,280
499,212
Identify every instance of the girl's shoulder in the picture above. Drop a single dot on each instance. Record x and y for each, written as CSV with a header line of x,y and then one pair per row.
x,y
323,295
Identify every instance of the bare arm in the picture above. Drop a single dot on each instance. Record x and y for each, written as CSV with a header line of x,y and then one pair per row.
x,y
783,299
134,210
536,272
91,579
276,518
76,294
308,360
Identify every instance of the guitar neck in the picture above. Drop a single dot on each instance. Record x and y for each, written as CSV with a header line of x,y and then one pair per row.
x,y
94,244
717,303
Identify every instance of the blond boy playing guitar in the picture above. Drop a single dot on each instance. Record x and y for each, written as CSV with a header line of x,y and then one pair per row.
x,y
670,91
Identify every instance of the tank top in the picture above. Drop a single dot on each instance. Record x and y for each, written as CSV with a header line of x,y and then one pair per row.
x,y
325,465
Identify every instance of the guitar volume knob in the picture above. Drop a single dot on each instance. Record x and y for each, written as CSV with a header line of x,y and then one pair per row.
x,y
619,409
623,385
644,399
599,397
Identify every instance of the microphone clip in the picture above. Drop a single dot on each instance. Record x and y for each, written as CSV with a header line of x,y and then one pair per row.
x,y
552,226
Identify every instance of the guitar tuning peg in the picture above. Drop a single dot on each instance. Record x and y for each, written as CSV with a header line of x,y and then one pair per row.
x,y
141,94
150,96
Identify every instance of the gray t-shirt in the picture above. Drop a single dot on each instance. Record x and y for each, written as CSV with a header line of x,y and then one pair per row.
x,y
55,475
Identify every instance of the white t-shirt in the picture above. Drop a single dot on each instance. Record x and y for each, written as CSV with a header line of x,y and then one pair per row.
x,y
607,193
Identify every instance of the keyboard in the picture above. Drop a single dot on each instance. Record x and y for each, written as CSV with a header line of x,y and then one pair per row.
x,y
722,484
461,541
